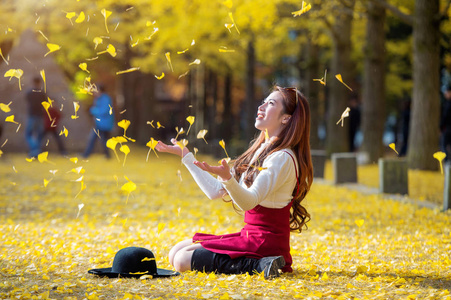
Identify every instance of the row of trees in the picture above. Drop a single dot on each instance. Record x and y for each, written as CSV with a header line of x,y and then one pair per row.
x,y
385,50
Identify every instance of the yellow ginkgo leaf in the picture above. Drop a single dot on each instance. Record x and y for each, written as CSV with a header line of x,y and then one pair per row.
x,y
233,21
46,182
82,186
43,157
106,14
322,80
128,187
228,3
127,71
42,72
52,48
64,131
1,55
11,119
126,150
160,227
80,206
181,52
111,143
190,120
392,145
305,8
70,15
151,144
222,144
97,41
5,107
159,125
440,156
195,151
160,77
1,152
228,26
179,132
359,222
119,139
47,105
84,67
195,62
344,115
78,170
339,78
15,73
30,159
74,159
124,125
76,108
182,143
223,50
201,135
81,17
227,159
168,58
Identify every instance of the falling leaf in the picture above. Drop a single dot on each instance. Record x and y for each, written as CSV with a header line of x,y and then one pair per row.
x,y
30,159
1,55
227,159
111,143
160,77
322,80
124,125
15,73
228,26
64,131
184,74
126,150
119,139
81,17
338,76
159,125
70,15
128,187
190,120
222,144
11,119
392,145
179,132
168,58
181,52
78,170
74,159
84,67
344,115
52,48
46,182
228,3
305,8
160,227
43,157
359,222
97,41
47,104
196,150
110,49
182,143
80,206
127,71
151,144
106,14
42,72
224,50
5,107
440,156
76,108
233,21
195,62
82,186
201,135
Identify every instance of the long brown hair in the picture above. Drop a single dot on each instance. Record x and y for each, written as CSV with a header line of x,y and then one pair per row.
x,y
294,135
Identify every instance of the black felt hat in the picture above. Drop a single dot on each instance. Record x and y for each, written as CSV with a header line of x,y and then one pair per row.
x,y
133,262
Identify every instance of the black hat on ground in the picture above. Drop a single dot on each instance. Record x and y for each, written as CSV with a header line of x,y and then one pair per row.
x,y
133,262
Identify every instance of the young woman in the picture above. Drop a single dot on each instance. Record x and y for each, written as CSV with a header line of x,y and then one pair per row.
x,y
268,181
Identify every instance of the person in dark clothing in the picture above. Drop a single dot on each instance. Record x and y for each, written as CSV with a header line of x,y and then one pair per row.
x,y
51,127
34,130
405,119
354,121
445,124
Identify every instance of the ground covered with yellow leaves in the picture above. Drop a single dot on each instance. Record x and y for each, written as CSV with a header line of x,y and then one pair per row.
x,y
357,246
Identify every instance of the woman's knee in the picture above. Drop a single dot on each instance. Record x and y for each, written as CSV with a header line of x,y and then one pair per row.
x,y
182,260
177,248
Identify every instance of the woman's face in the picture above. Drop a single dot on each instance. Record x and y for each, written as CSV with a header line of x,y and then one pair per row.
x,y
270,114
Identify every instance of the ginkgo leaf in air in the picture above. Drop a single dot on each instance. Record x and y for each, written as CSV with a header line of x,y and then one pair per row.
x,y
201,135
43,157
128,187
124,125
440,156
15,73
228,26
195,62
81,17
182,143
344,115
1,55
80,206
151,144
393,146
305,8
322,80
76,108
5,107
110,49
233,21
97,41
70,15
84,67
339,78
126,150
179,132
168,58
160,77
42,72
359,222
46,182
11,119
127,71
74,159
64,131
222,144
181,52
190,120
111,143
47,105
106,14
52,48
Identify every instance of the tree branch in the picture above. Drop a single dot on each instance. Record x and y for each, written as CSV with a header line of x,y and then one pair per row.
x,y
404,17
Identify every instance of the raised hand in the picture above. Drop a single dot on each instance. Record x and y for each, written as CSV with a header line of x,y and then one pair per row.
x,y
223,171
173,149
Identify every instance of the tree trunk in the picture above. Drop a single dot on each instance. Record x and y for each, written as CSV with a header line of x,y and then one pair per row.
x,y
373,107
227,119
424,132
337,136
249,105
312,92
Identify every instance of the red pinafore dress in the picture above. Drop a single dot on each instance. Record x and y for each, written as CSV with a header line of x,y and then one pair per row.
x,y
266,233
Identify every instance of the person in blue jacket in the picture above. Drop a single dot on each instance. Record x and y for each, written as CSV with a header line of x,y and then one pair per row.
x,y
102,111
